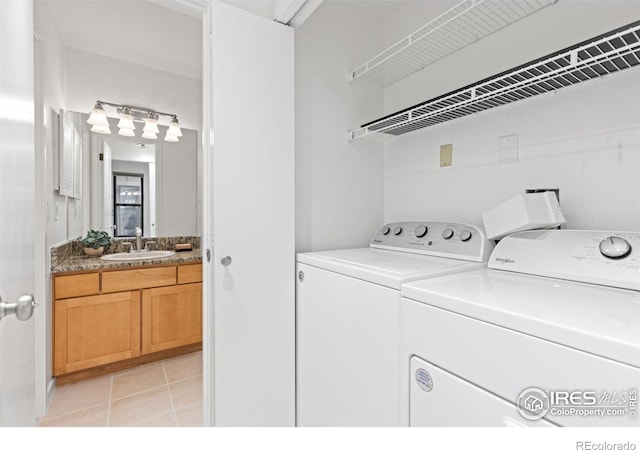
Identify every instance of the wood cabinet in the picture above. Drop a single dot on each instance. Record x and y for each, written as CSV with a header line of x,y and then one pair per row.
x,y
172,317
95,330
107,316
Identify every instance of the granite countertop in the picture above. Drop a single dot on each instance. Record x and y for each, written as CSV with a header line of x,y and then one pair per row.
x,y
81,263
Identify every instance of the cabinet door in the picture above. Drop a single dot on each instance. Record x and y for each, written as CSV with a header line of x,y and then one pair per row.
x,y
171,317
96,330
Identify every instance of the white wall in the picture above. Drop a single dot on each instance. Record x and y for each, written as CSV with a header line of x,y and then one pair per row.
x,y
584,140
92,77
54,96
339,186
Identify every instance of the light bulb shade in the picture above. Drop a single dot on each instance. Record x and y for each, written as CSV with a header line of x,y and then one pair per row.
x,y
101,129
98,117
126,132
149,135
151,126
126,122
170,138
174,128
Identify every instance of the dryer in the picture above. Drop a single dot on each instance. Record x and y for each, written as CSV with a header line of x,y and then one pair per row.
x,y
547,334
348,317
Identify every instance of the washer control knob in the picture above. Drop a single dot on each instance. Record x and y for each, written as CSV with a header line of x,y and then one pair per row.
x,y
386,230
447,233
465,235
421,231
615,247
397,230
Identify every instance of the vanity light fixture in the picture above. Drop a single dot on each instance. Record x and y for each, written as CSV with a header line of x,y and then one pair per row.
x,y
100,129
126,124
173,132
98,116
130,114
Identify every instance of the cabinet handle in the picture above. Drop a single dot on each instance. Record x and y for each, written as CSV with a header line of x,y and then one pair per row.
x,y
226,261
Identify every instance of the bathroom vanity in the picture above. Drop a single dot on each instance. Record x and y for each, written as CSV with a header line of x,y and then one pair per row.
x,y
112,315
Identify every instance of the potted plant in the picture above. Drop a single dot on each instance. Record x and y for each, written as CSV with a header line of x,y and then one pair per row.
x,y
95,242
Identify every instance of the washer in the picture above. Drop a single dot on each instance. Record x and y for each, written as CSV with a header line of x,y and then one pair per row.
x,y
548,334
348,315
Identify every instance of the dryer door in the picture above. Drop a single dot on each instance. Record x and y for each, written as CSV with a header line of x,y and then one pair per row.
x,y
440,399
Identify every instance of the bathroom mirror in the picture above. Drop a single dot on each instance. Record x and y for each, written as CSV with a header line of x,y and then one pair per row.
x,y
136,182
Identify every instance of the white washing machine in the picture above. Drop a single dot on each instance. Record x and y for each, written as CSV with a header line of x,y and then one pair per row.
x,y
548,334
348,316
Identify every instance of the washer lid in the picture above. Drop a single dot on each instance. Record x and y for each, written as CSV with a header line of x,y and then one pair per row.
x,y
385,267
600,320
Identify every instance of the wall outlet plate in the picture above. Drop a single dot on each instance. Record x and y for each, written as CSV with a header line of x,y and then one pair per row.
x,y
446,155
508,149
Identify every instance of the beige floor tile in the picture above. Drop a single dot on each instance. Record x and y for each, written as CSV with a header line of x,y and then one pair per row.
x,y
136,381
81,395
186,392
190,416
183,367
95,416
129,410
166,420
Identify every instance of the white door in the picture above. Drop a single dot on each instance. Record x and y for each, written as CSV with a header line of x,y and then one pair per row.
x,y
253,220
17,204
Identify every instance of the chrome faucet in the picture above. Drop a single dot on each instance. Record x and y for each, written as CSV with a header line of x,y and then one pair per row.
x,y
139,239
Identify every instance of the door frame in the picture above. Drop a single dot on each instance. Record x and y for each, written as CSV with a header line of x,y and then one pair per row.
x,y
208,356
42,390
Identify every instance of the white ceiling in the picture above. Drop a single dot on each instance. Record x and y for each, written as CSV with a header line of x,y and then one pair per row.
x,y
297,11
140,32
265,8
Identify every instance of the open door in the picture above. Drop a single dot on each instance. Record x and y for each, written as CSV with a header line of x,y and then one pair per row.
x,y
17,226
253,220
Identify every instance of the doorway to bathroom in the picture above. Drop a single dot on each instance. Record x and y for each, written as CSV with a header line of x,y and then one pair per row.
x,y
164,198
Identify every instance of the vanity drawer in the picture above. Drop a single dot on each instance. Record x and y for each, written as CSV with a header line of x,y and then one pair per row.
x,y
67,286
130,279
190,273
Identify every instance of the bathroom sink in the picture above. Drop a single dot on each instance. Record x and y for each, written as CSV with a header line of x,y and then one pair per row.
x,y
136,256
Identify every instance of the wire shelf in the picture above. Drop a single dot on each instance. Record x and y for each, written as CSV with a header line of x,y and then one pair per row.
x,y
609,53
464,24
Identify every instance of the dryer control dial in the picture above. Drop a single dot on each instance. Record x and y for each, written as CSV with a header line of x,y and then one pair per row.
x,y
615,247
386,230
447,233
397,230
421,231
465,235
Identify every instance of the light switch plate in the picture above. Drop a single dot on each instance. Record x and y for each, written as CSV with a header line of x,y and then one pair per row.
x,y
446,155
508,149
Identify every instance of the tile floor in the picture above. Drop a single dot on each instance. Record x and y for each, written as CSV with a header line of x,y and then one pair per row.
x,y
162,394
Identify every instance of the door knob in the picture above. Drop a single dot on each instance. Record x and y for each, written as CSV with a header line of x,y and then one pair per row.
x,y
23,308
226,261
